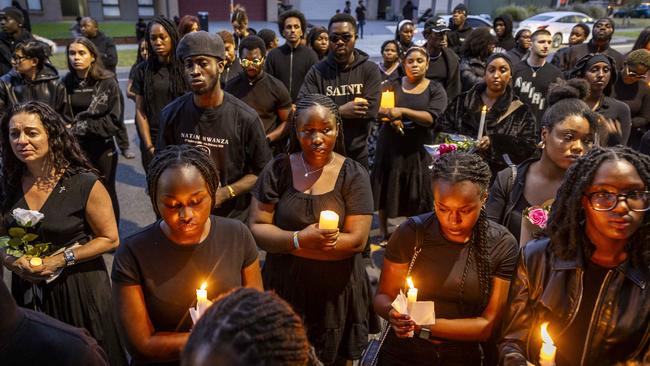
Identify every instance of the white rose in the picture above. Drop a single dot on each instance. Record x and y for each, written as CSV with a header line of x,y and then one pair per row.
x,y
27,218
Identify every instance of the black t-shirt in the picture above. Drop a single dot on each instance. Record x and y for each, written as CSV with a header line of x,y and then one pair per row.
x,y
39,339
265,94
573,339
531,86
160,88
169,273
438,269
231,133
230,72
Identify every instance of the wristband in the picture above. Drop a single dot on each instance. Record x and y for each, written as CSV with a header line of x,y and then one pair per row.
x,y
296,243
231,191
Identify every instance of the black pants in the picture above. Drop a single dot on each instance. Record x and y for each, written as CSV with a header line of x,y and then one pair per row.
x,y
145,154
122,136
425,353
103,156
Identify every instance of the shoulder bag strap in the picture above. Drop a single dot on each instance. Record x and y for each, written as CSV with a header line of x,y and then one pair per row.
x,y
514,105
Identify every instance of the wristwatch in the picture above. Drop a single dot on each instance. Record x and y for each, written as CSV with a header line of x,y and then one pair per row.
x,y
424,333
68,257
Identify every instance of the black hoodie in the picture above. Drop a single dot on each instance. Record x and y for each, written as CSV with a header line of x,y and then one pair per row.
x,y
362,79
290,65
8,46
107,49
46,88
507,42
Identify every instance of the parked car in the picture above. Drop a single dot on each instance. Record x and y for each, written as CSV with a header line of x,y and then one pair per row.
x,y
640,11
559,23
473,21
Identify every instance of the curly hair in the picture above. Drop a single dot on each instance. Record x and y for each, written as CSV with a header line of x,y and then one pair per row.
x,y
456,167
566,224
292,13
476,43
181,155
565,99
638,57
97,70
250,43
305,103
248,327
65,154
343,18
177,82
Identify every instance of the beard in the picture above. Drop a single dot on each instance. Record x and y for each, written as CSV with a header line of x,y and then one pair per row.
x,y
208,88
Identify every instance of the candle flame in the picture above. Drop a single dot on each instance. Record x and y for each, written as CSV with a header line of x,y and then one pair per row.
x,y
545,336
204,285
409,280
484,109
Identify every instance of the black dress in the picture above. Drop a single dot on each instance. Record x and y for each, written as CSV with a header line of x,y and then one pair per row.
x,y
336,311
400,179
81,295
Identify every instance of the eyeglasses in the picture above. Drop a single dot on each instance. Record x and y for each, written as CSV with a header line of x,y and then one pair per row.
x,y
18,59
638,201
346,37
254,62
633,74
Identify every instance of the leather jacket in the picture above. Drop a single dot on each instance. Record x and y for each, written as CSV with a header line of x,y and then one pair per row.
x,y
548,288
46,87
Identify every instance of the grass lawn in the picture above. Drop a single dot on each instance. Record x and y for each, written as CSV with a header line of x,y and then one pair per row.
x,y
628,34
59,30
124,57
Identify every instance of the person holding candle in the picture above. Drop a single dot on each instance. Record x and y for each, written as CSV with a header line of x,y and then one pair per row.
x,y
320,272
44,169
464,265
507,119
400,179
569,129
157,271
588,278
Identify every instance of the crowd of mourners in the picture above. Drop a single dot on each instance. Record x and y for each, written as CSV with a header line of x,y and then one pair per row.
x,y
245,142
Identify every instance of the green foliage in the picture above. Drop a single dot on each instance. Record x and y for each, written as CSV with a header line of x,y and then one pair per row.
x,y
61,30
518,13
19,243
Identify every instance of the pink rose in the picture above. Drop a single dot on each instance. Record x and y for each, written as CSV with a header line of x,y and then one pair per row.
x,y
447,148
538,216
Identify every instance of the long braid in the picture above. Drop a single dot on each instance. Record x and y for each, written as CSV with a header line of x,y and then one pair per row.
x,y
180,155
177,82
249,327
455,168
302,105
566,222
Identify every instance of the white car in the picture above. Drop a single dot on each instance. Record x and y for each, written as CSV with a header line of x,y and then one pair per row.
x,y
474,21
559,23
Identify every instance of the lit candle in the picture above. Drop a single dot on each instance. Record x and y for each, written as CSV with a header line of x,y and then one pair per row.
x,y
387,99
36,261
412,294
481,124
548,350
202,302
328,220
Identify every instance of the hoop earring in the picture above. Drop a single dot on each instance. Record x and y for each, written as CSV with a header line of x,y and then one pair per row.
x,y
541,145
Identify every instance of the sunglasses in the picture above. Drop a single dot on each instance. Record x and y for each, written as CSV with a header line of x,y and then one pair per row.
x,y
633,74
254,62
346,37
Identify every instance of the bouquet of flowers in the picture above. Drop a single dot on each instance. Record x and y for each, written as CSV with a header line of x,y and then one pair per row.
x,y
446,143
534,221
21,239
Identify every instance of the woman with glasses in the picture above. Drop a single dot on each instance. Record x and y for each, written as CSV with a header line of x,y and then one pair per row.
x,y
33,78
589,278
632,89
599,71
568,131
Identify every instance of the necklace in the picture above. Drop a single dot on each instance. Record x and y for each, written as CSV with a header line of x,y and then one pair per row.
x,y
304,166
535,69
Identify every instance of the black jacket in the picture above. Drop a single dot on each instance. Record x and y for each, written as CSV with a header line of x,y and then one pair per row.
x,y
46,87
507,42
290,65
8,46
107,49
362,79
575,53
472,71
452,81
456,37
548,288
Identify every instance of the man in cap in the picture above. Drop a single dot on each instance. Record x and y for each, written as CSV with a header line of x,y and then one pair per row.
x,y
217,122
459,28
601,36
443,62
13,32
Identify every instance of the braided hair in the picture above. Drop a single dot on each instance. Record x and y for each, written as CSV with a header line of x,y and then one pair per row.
x,y
181,155
567,220
456,167
248,327
177,82
304,104
65,153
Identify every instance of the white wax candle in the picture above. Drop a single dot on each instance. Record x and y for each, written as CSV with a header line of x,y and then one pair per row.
x,y
36,261
328,220
548,350
202,302
412,294
481,124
